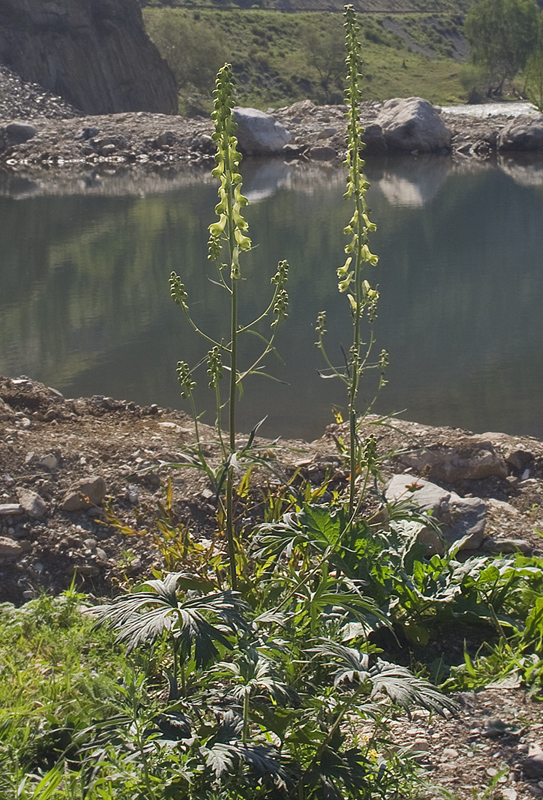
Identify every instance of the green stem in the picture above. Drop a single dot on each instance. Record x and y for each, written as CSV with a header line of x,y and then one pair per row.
x,y
357,313
245,734
331,733
233,369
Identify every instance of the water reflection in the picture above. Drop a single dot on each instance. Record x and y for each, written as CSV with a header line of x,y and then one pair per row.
x,y
84,302
410,182
526,169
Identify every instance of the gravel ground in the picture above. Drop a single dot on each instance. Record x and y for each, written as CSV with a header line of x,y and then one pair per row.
x,y
22,100
64,137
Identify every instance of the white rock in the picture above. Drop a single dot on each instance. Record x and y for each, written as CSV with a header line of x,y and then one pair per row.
x,y
259,133
502,507
460,516
413,124
50,461
497,546
468,458
84,493
420,746
9,509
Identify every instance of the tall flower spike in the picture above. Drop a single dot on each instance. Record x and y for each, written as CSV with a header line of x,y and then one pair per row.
x,y
360,225
232,226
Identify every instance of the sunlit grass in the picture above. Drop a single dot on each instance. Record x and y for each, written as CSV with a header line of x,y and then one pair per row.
x,y
272,66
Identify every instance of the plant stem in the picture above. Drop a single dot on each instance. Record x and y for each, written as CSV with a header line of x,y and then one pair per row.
x,y
331,733
233,252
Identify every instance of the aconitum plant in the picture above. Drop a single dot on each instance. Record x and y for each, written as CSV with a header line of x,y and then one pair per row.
x,y
228,240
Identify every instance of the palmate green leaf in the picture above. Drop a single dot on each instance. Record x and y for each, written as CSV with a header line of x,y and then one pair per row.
x,y
338,771
225,752
336,599
354,665
394,681
279,720
321,523
225,757
144,616
220,758
140,617
253,673
405,690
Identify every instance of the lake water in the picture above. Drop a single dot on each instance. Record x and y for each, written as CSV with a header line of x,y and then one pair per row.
x,y
85,307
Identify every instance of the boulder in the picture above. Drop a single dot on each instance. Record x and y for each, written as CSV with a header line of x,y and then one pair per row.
x,y
9,548
413,124
518,458
31,502
84,494
19,132
259,133
471,458
93,53
460,516
374,140
522,134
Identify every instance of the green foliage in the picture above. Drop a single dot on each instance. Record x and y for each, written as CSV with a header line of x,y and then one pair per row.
x,y
502,34
193,53
273,65
533,73
266,710
324,52
314,6
418,596
215,697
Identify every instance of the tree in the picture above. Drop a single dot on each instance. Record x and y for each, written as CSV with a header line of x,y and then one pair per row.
x,y
192,48
324,50
502,34
534,70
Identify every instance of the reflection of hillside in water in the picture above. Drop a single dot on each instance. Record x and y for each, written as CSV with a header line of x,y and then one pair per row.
x,y
84,301
410,181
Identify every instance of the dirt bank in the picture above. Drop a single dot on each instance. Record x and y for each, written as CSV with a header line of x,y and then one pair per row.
x,y
49,444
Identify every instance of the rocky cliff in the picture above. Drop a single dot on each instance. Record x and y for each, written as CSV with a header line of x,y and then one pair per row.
x,y
93,53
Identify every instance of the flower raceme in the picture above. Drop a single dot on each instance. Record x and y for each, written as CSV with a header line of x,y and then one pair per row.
x,y
231,224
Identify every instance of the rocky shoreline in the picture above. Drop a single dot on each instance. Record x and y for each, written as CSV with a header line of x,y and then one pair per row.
x,y
317,133
39,131
485,489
